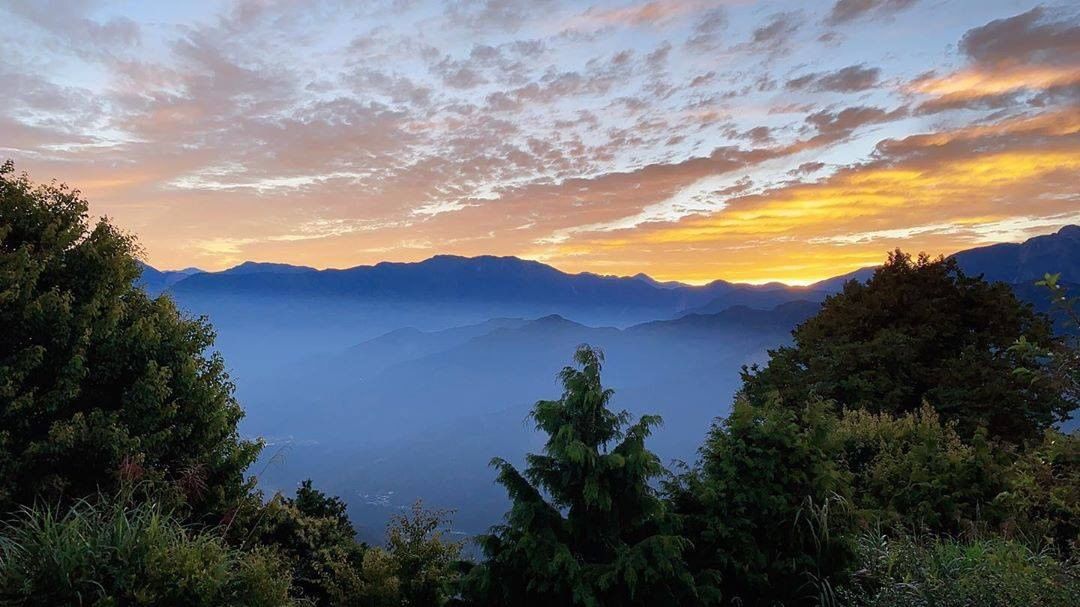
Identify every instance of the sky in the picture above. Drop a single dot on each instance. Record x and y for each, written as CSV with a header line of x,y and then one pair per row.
x,y
688,139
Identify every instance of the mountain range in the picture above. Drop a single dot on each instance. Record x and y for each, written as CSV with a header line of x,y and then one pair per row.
x,y
514,280
401,380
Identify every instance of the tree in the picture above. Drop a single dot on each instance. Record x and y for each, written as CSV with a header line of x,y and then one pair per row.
x,y
604,537
768,505
98,381
919,330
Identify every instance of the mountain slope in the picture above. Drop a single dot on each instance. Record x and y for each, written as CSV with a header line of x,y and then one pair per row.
x,y
1027,261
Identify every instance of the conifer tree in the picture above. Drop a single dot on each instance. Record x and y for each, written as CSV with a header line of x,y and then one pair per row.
x,y
585,526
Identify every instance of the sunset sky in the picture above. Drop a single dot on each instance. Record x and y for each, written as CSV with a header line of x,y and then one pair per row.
x,y
688,139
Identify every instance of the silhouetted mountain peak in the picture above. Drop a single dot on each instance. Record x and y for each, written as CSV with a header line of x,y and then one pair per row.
x,y
1027,261
1071,231
649,280
261,267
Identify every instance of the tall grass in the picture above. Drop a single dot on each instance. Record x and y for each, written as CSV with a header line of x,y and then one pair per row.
x,y
909,571
107,552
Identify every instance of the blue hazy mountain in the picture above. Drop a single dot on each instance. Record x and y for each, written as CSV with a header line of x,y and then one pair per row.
x,y
425,424
259,267
485,279
1012,263
517,287
401,380
270,314
155,281
1017,263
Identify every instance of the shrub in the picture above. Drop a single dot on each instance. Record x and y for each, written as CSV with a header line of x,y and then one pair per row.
x,y
915,472
943,572
768,506
111,553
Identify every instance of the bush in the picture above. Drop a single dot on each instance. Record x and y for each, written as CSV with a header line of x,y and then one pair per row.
x,y
908,572
768,507
110,553
313,534
915,472
1043,496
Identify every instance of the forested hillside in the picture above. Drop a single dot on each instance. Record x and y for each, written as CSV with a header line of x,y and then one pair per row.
x,y
901,449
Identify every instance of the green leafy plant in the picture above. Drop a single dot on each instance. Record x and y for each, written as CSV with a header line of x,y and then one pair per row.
x,y
909,571
110,552
920,330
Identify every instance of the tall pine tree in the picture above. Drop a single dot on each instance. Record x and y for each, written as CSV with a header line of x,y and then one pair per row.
x,y
585,527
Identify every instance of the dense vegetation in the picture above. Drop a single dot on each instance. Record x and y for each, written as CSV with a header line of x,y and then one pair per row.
x,y
901,452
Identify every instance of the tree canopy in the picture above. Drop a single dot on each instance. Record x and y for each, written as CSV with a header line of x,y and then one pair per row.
x,y
99,382
920,330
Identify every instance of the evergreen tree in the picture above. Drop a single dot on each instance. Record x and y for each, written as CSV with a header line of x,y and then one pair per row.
x,y
604,537
98,382
920,330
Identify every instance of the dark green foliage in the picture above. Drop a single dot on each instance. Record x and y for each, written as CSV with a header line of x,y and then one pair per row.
x,y
112,553
424,564
767,507
920,330
1043,495
913,472
316,539
604,538
991,572
97,380
329,567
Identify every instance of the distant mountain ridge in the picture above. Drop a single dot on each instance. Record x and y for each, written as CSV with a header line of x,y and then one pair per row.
x,y
450,278
1029,260
447,278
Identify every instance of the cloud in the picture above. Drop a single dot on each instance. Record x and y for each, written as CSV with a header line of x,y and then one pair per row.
x,y
851,79
326,134
775,34
1027,38
935,192
1031,56
833,126
70,24
850,10
637,15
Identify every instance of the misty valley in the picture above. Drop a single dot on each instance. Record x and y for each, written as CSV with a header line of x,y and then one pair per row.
x,y
398,382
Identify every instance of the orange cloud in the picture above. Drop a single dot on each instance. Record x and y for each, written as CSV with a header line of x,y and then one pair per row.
x,y
938,200
982,82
